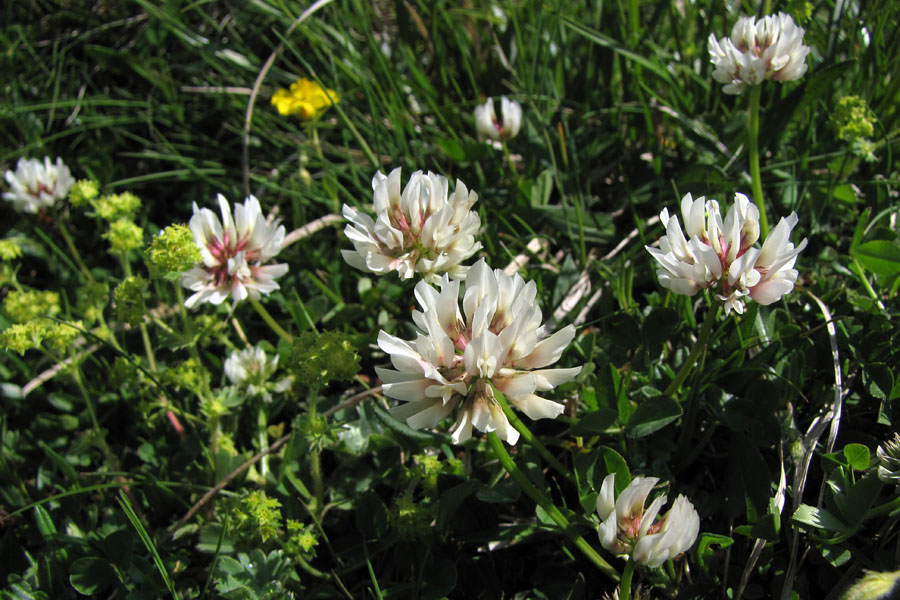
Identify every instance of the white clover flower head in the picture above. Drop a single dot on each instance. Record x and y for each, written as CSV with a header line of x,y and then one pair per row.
x,y
251,368
626,528
489,127
35,185
461,356
721,254
424,229
770,48
233,251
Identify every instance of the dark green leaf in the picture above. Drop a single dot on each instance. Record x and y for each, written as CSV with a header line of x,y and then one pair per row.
x,y
652,415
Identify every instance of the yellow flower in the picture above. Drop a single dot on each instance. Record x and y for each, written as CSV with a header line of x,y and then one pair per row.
x,y
305,98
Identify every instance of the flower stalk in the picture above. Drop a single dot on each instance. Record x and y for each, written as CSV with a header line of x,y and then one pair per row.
x,y
529,437
270,321
544,502
627,574
753,156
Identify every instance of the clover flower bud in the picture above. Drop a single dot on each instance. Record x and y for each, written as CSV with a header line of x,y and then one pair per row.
x,y
172,252
251,369
889,461
489,127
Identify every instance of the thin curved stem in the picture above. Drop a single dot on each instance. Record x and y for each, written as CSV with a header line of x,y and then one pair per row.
x,y
544,502
270,321
529,437
753,155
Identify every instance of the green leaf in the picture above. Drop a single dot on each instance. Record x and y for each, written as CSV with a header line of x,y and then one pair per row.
x,y
879,256
651,416
705,544
450,501
818,518
372,517
596,422
857,456
90,575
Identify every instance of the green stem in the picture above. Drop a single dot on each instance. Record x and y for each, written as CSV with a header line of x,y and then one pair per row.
x,y
690,419
512,165
315,463
883,509
753,152
698,348
270,321
67,237
145,335
529,437
503,456
262,438
625,586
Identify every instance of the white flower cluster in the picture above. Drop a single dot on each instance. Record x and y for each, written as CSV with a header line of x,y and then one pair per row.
x,y
771,48
459,357
233,250
424,229
626,528
36,185
489,127
721,254
251,368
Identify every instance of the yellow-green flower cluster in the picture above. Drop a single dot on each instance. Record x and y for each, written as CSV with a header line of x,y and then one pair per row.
x,y
854,123
84,191
129,299
112,207
191,376
24,305
10,250
21,337
124,235
301,541
173,251
260,514
304,98
318,359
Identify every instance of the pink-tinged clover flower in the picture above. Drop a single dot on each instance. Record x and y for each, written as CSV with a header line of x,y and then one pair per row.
x,y
424,229
721,255
771,48
460,357
627,528
35,185
233,252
